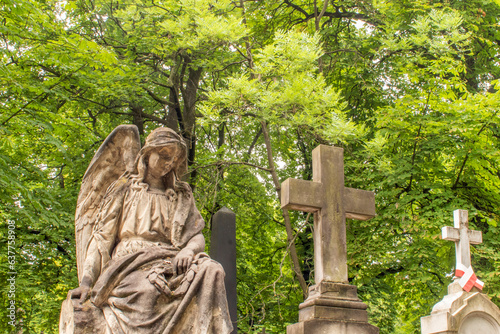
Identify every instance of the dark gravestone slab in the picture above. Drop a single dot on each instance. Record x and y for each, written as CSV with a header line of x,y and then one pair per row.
x,y
223,250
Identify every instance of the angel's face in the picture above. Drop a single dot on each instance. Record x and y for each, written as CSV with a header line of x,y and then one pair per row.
x,y
161,161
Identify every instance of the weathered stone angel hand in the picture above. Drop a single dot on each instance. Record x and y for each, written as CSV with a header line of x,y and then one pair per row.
x,y
81,293
183,260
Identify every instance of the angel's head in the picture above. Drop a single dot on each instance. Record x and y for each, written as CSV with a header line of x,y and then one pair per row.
x,y
164,155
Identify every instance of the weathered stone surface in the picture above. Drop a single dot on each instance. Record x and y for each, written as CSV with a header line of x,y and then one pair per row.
x,y
478,323
462,236
332,202
140,247
333,301
459,310
223,250
332,306
81,319
331,327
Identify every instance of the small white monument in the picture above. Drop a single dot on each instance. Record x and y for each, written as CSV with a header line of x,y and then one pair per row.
x,y
464,310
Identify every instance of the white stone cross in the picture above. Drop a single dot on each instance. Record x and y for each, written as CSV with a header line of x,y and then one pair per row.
x,y
462,236
331,203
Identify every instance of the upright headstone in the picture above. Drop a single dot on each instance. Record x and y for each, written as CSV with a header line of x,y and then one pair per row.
x,y
223,250
333,305
464,310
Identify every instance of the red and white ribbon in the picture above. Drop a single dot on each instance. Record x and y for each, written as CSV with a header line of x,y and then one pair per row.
x,y
460,270
467,278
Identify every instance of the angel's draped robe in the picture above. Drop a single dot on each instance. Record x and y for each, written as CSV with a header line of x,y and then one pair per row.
x,y
138,234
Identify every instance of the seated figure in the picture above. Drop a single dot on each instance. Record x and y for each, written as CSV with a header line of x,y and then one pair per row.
x,y
140,255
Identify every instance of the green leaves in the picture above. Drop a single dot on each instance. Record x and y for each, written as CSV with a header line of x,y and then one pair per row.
x,y
407,89
440,30
290,53
284,87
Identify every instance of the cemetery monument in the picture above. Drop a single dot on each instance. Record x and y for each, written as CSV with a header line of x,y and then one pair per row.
x,y
141,265
333,305
464,310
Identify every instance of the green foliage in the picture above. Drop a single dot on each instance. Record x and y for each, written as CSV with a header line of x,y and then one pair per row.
x,y
38,191
284,88
409,89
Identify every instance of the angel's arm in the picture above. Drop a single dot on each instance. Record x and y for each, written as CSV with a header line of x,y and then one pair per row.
x,y
196,242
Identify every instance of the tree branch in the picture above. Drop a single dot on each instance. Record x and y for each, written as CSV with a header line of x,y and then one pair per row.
x,y
336,15
250,149
286,217
455,184
230,163
154,118
159,99
297,8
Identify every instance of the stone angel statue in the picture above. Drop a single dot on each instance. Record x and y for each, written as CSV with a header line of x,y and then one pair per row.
x,y
141,266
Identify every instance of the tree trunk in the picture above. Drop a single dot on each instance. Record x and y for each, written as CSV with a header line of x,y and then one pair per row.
x,y
190,96
286,217
137,117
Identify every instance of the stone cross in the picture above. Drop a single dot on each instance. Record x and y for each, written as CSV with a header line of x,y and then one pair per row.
x,y
223,250
331,203
462,236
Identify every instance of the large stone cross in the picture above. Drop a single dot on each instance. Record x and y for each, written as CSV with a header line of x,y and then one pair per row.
x,y
462,236
331,203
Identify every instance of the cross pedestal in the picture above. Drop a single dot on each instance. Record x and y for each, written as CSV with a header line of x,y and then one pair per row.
x,y
332,305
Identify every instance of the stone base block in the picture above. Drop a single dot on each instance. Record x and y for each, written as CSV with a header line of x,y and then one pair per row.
x,y
332,308
333,313
81,319
317,326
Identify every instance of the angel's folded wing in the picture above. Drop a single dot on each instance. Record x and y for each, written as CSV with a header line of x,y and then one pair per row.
x,y
116,155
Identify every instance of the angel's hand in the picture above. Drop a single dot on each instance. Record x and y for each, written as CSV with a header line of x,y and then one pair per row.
x,y
183,260
80,293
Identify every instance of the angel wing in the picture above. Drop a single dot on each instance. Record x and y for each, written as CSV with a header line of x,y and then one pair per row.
x,y
116,155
